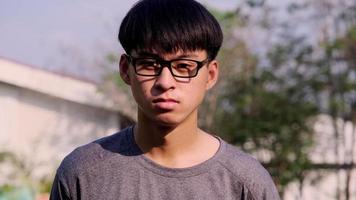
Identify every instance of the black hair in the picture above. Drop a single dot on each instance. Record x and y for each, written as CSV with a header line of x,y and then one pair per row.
x,y
166,26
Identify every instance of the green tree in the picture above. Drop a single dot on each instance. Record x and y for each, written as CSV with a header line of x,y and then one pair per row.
x,y
333,81
267,103
267,115
336,82
263,112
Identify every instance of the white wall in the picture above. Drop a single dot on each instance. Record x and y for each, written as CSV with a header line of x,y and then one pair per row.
x,y
323,183
42,129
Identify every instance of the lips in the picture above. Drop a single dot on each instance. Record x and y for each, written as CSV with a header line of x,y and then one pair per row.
x,y
158,100
165,104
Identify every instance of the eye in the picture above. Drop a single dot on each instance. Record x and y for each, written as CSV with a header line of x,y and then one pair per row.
x,y
184,65
146,63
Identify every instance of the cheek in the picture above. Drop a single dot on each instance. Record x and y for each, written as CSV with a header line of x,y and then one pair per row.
x,y
195,95
140,91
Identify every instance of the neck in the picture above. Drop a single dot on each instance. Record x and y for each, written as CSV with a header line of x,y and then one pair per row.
x,y
175,146
166,139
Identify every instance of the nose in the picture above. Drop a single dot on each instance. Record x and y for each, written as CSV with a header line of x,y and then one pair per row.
x,y
165,80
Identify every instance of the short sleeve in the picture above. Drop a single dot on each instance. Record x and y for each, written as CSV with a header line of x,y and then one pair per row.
x,y
59,190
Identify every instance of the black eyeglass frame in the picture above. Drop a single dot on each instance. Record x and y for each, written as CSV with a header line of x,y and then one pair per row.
x,y
168,64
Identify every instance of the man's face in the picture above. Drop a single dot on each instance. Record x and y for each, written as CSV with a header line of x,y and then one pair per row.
x,y
165,99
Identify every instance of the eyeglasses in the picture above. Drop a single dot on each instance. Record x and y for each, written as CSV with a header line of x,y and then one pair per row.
x,y
182,68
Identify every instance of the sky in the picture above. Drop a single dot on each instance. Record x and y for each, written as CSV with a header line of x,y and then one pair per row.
x,y
66,35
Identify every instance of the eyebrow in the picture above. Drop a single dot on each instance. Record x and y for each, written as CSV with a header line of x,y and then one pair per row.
x,y
192,55
148,54
154,55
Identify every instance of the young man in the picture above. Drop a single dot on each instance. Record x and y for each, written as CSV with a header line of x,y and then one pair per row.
x,y
171,46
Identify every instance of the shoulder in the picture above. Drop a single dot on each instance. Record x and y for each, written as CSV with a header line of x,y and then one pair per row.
x,y
242,164
87,157
248,171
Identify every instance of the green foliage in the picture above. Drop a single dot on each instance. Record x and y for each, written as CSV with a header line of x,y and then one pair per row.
x,y
16,193
5,189
259,114
6,156
267,110
336,72
111,58
45,185
112,81
255,3
271,108
117,80
26,187
228,20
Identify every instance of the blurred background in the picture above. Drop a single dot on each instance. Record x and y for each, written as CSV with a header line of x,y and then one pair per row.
x,y
286,94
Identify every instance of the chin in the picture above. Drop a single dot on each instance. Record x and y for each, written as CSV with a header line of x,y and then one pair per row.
x,y
168,121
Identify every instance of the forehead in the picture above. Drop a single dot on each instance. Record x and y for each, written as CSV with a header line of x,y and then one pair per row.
x,y
170,55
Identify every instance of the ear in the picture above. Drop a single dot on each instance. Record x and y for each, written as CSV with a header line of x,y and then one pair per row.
x,y
213,74
124,69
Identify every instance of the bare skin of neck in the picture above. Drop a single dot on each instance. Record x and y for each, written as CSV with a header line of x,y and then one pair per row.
x,y
181,146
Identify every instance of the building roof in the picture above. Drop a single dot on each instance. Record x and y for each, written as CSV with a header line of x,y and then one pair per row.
x,y
57,85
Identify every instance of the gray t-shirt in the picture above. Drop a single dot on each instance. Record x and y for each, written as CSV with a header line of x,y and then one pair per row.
x,y
115,168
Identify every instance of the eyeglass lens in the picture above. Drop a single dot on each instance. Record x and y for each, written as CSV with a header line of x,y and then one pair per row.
x,y
152,67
